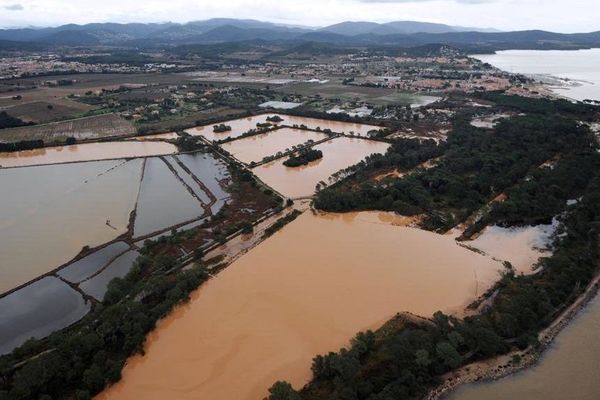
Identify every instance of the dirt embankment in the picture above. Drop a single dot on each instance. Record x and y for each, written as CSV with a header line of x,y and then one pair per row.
x,y
502,366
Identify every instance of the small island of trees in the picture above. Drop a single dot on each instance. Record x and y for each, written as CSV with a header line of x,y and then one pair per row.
x,y
221,128
303,158
275,118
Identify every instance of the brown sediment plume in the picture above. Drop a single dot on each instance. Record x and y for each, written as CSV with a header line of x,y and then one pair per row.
x,y
255,148
85,152
53,208
338,153
503,366
306,290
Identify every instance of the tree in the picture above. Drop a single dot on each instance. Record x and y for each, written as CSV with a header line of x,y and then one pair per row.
x,y
422,358
448,354
93,378
282,390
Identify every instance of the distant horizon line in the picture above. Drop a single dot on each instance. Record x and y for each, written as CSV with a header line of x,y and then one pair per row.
x,y
284,24
274,22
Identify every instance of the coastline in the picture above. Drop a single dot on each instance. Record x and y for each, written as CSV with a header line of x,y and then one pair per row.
x,y
503,366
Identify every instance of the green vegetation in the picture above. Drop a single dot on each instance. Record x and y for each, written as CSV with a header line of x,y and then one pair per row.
x,y
7,121
303,158
186,142
404,361
79,362
275,119
22,145
476,166
221,128
280,223
259,130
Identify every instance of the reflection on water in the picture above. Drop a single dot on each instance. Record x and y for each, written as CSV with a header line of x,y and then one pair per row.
x,y
306,290
85,152
158,136
92,263
97,285
521,246
37,310
238,127
210,170
163,200
338,154
568,371
243,125
255,148
49,213
578,65
335,126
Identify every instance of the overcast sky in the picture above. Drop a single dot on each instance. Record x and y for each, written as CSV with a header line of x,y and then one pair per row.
x,y
554,15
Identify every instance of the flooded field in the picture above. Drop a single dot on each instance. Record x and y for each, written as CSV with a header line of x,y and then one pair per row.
x,y
306,290
242,125
238,128
211,171
255,148
50,213
335,126
37,310
97,285
158,136
93,263
163,200
522,246
569,370
338,154
85,152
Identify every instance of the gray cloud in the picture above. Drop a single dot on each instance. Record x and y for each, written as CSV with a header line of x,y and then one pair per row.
x,y
14,7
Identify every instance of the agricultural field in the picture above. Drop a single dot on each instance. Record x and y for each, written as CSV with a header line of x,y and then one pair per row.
x,y
94,127
40,112
110,209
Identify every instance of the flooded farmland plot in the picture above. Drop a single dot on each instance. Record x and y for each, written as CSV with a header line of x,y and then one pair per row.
x,y
322,124
91,264
188,179
50,213
521,246
304,291
179,189
243,125
37,310
238,128
60,210
158,136
212,172
85,152
255,148
96,286
163,200
338,153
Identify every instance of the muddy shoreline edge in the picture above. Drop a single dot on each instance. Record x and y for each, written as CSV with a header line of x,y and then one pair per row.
x,y
502,366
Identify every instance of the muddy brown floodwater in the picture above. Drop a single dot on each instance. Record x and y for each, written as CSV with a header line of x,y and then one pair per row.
x,y
521,246
338,153
50,212
568,371
85,152
255,148
242,125
306,290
